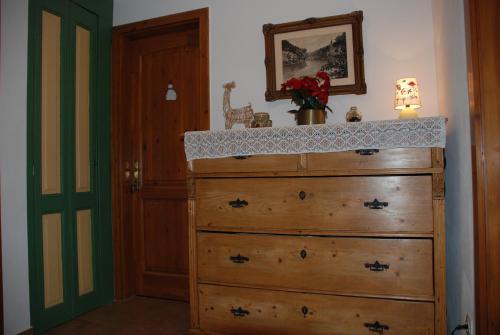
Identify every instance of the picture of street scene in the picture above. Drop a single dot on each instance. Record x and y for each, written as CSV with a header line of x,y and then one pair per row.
x,y
305,56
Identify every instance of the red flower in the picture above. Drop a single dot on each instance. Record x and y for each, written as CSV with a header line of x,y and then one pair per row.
x,y
309,83
323,75
294,83
321,94
308,92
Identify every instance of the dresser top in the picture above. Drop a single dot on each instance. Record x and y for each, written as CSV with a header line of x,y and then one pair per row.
x,y
388,134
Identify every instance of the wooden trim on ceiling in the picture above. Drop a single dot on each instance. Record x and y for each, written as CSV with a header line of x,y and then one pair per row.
x,y
124,283
483,51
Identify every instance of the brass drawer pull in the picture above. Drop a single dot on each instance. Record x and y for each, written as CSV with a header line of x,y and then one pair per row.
x,y
302,195
239,312
375,204
241,157
239,259
303,254
305,310
376,327
367,152
238,203
377,267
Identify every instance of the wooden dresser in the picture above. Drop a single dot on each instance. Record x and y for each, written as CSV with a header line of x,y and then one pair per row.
x,y
332,243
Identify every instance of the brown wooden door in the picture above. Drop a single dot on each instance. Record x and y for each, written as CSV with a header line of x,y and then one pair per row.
x,y
160,206
151,236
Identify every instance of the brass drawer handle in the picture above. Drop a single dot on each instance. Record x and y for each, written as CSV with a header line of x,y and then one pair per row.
x,y
239,259
241,157
376,327
239,312
302,195
367,152
238,203
377,267
375,204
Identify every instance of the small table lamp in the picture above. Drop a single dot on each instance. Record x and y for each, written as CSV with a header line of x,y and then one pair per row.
x,y
407,98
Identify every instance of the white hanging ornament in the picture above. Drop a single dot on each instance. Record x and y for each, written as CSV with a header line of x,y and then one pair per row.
x,y
171,93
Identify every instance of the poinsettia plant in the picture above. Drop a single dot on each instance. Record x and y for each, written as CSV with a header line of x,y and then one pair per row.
x,y
309,92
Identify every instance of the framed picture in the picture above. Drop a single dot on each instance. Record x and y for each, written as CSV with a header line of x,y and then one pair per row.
x,y
332,44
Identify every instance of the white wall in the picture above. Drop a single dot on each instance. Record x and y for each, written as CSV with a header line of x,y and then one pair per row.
x,y
451,73
13,84
398,42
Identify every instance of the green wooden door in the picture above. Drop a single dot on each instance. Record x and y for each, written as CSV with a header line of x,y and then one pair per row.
x,y
68,153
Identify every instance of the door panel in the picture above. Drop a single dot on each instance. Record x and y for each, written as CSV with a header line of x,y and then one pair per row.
x,y
82,112
164,122
163,236
84,249
82,149
50,104
161,202
67,219
52,260
149,166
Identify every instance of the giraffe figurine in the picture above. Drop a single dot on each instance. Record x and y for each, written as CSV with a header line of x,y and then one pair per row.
x,y
235,115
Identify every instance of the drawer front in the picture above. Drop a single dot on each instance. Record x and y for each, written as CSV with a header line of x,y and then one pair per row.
x,y
262,163
335,203
371,159
250,311
389,267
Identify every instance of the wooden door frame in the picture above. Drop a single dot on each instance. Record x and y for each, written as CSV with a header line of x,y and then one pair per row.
x,y
485,120
122,244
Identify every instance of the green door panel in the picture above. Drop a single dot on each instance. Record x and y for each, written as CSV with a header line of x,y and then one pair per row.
x,y
52,216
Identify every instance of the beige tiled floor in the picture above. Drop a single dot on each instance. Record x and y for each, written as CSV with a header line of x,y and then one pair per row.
x,y
137,316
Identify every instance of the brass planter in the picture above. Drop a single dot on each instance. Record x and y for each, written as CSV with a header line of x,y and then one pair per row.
x,y
309,116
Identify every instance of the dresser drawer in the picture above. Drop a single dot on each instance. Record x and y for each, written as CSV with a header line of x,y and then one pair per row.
x,y
232,310
371,159
260,163
390,267
333,203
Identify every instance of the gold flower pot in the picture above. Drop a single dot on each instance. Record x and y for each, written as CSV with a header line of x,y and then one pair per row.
x,y
309,116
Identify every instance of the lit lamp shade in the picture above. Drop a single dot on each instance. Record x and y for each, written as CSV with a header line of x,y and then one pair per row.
x,y
407,98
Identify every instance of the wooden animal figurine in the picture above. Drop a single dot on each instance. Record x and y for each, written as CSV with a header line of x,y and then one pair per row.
x,y
235,115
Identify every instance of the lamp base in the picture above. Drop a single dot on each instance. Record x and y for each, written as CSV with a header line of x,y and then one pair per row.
x,y
408,113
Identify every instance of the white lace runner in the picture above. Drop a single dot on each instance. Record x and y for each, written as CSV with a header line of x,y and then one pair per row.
x,y
413,133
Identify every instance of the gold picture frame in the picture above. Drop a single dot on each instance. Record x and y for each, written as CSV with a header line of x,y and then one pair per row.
x,y
333,44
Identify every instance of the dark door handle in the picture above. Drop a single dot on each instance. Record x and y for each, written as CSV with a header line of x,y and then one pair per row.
x,y
239,312
239,259
238,203
377,267
375,204
376,327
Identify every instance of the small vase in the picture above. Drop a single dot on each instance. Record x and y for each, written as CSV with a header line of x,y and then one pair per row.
x,y
261,120
353,115
309,116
